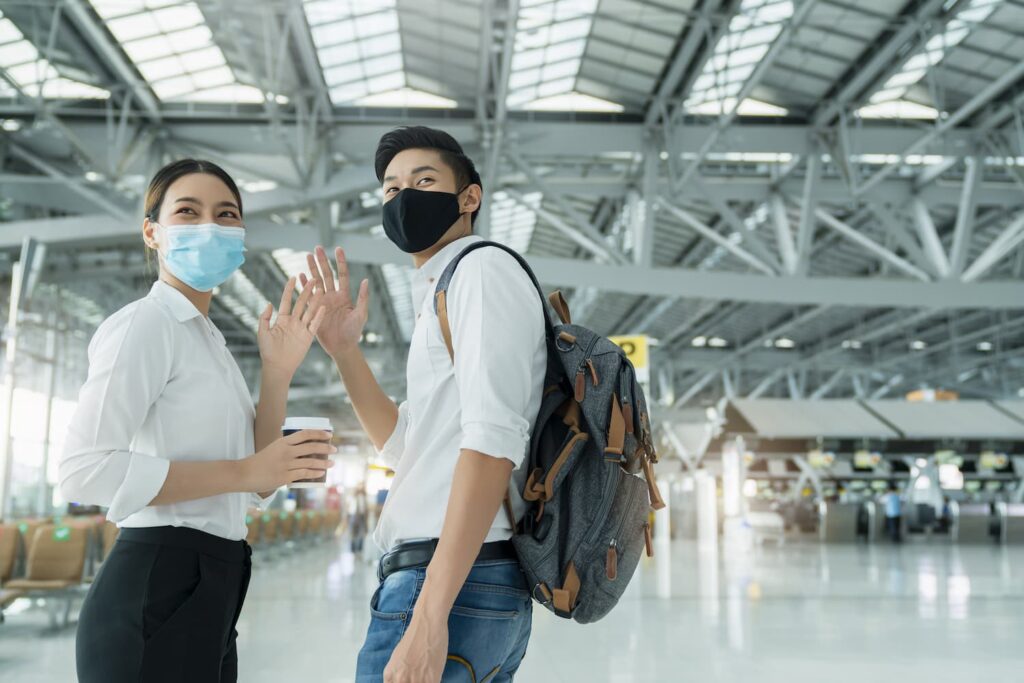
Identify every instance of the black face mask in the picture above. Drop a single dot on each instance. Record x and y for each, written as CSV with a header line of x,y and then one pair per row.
x,y
416,219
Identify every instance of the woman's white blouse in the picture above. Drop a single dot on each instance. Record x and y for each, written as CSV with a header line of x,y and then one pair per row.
x,y
162,386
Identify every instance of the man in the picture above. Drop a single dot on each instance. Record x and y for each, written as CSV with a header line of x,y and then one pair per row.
x,y
452,600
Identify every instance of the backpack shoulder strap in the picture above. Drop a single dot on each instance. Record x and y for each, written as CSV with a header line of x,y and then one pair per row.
x,y
443,282
441,310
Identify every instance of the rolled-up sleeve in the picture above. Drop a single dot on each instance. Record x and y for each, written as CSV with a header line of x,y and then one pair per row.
x,y
393,448
130,360
497,327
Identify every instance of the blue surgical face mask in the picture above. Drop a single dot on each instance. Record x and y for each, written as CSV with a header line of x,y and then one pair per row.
x,y
203,256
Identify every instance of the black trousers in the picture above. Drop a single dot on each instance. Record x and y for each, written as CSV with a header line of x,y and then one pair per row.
x,y
163,609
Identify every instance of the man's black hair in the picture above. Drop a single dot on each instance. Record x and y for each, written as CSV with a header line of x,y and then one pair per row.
x,y
422,137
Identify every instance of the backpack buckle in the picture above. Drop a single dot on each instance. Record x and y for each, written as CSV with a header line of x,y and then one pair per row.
x,y
545,594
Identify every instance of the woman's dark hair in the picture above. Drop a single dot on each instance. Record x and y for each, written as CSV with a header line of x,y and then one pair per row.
x,y
166,176
421,137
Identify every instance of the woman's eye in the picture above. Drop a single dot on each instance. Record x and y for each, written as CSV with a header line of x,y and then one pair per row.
x,y
229,214
184,209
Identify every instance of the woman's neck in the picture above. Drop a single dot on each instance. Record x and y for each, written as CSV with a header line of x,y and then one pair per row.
x,y
201,300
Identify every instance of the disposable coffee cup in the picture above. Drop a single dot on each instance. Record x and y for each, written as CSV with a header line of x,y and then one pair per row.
x,y
297,424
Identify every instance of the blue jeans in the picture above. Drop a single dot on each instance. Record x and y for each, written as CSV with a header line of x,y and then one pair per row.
x,y
488,629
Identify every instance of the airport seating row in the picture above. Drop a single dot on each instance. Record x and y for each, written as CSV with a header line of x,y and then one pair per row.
x,y
56,559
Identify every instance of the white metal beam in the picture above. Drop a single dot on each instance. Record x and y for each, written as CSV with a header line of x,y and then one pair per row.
x,y
780,43
783,233
97,36
987,94
1007,241
627,279
964,229
929,237
808,204
709,233
580,222
597,247
927,20
871,246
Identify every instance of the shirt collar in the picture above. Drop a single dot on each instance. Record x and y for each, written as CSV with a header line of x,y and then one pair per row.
x,y
178,303
432,269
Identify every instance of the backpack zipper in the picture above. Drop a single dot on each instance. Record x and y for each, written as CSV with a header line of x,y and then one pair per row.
x,y
581,380
613,552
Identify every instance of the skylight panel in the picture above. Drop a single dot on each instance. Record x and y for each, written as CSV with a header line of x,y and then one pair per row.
x,y
889,102
173,48
406,97
243,299
574,101
513,223
751,33
292,262
551,37
397,279
360,51
33,74
748,107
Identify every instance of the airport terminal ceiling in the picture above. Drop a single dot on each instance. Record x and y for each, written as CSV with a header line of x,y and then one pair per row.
x,y
792,198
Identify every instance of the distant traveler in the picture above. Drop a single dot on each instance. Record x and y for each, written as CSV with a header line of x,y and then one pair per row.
x,y
893,513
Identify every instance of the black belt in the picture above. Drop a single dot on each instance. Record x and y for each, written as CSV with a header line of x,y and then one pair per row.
x,y
416,554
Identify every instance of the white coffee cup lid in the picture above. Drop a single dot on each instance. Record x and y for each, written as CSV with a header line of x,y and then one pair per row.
x,y
296,423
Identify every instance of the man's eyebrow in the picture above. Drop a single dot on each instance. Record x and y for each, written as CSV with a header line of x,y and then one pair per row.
x,y
419,169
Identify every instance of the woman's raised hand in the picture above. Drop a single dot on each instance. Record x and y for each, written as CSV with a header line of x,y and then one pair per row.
x,y
283,345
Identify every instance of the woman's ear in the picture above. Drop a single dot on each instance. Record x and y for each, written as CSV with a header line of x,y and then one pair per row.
x,y
149,234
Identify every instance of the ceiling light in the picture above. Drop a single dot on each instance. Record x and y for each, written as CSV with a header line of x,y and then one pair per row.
x,y
784,343
699,341
984,346
717,342
918,345
852,344
93,176
11,125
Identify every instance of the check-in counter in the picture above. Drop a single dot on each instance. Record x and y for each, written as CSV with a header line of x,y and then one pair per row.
x,y
1013,523
974,523
839,522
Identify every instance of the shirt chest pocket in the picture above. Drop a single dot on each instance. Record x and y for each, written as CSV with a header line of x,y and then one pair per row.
x,y
429,363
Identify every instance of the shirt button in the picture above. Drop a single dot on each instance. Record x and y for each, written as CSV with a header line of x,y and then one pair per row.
x,y
430,279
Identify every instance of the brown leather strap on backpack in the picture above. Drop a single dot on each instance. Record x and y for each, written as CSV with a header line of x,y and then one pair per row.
x,y
616,429
446,329
560,305
564,599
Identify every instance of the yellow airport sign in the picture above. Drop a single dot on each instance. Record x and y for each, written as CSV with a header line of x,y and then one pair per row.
x,y
637,349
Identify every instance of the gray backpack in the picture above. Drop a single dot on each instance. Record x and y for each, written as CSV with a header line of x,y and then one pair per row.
x,y
581,538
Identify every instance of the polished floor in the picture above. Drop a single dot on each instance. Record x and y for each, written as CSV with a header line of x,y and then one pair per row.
x,y
801,612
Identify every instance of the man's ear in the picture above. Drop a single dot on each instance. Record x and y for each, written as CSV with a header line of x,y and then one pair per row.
x,y
471,198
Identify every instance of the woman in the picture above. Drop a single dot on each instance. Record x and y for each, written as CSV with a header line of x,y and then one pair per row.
x,y
165,434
